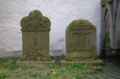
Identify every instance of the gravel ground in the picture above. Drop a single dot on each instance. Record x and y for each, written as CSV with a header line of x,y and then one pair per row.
x,y
111,70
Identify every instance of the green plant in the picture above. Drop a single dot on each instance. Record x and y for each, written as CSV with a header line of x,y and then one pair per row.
x,y
24,71
24,66
53,78
53,66
83,72
57,63
93,71
3,74
85,76
39,68
76,65
77,76
97,68
114,62
88,71
63,56
11,64
33,74
61,69
51,57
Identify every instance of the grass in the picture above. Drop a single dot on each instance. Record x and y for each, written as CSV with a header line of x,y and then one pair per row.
x,y
9,69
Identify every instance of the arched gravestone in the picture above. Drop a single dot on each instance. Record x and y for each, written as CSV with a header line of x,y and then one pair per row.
x,y
35,38
81,43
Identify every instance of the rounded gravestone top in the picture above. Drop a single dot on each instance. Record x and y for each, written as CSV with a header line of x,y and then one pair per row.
x,y
81,24
35,20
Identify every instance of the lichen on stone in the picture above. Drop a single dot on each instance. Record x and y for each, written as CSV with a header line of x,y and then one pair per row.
x,y
79,45
77,24
105,1
35,20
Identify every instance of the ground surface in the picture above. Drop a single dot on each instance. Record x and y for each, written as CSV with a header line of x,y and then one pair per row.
x,y
111,70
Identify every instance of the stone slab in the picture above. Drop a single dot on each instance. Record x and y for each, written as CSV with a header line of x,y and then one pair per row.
x,y
34,63
96,62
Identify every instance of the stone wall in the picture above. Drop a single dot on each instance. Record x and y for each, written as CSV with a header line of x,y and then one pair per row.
x,y
60,12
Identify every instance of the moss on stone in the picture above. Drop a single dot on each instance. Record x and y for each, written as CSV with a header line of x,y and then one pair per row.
x,y
105,1
114,52
103,48
108,43
77,24
79,45
34,27
35,20
23,57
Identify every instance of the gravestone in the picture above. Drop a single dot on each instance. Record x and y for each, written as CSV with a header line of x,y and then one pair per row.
x,y
35,38
81,43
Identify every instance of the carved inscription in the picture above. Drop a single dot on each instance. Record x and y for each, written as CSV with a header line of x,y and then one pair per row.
x,y
35,34
79,45
35,20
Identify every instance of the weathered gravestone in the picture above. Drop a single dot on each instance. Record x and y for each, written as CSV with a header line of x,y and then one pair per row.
x,y
81,43
35,39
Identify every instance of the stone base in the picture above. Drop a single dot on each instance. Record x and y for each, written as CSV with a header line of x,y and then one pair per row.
x,y
96,62
34,63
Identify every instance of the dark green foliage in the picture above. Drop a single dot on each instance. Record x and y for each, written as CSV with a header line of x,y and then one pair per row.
x,y
97,68
11,64
25,66
85,76
54,66
77,65
51,57
39,68
57,63
3,74
105,2
63,56
77,76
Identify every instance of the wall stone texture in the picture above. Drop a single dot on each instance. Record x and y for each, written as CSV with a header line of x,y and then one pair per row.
x,y
60,12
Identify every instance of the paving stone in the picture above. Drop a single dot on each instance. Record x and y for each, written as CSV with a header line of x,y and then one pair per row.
x,y
108,72
111,77
102,78
117,77
98,76
87,78
101,73
117,74
91,76
106,75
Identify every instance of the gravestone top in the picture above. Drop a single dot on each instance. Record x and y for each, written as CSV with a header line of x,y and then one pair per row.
x,y
81,40
35,21
81,24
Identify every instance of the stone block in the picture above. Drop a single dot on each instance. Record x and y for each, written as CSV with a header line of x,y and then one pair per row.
x,y
81,43
35,38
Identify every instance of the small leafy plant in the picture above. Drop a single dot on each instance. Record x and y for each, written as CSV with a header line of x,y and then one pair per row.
x,y
39,68
63,56
3,74
54,66
24,66
97,68
51,57
76,65
76,76
33,74
11,64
